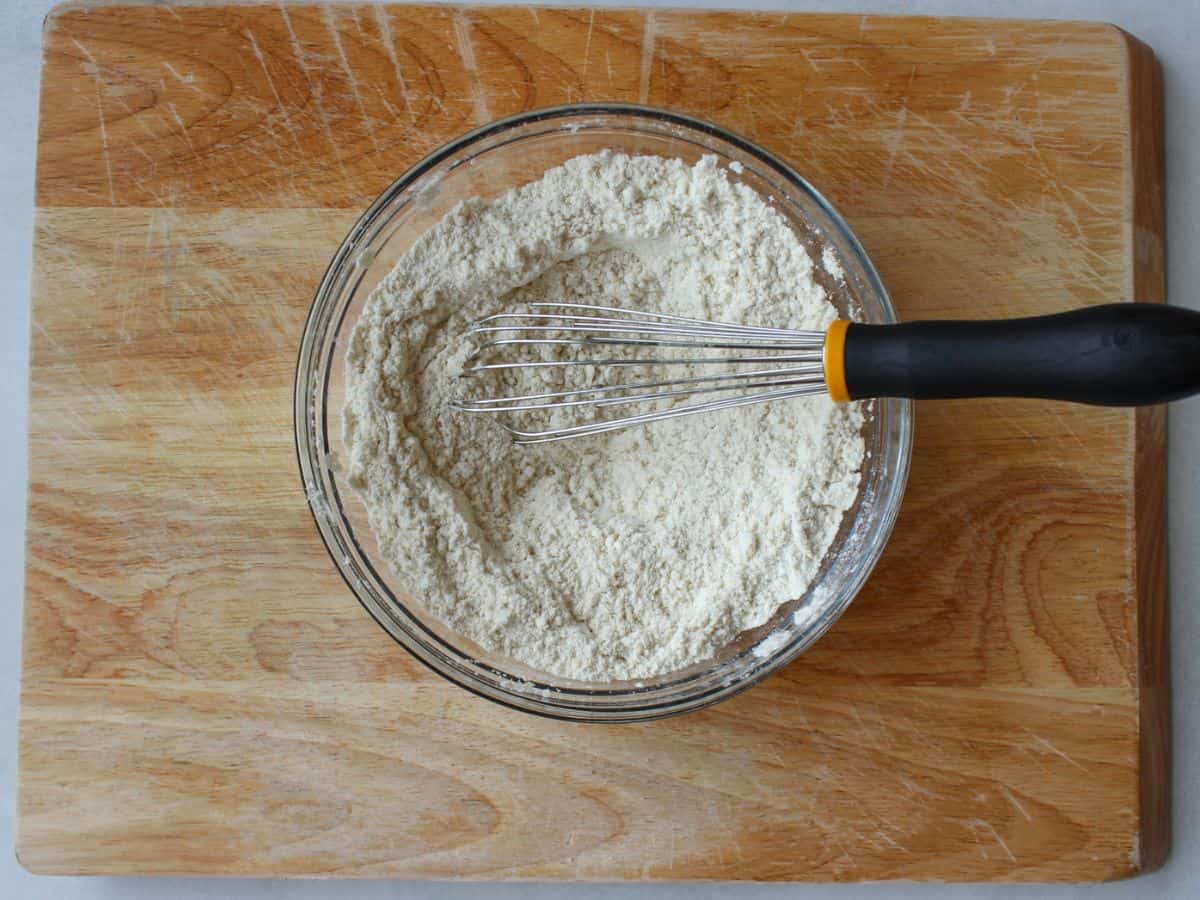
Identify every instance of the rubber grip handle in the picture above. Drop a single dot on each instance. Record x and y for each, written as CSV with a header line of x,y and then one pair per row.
x,y
1122,354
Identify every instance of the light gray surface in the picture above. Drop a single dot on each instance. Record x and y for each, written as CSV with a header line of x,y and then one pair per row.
x,y
1171,27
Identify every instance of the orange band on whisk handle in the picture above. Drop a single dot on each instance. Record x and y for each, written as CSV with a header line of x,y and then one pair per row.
x,y
834,360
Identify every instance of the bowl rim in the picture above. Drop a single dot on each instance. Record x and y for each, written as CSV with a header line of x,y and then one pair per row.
x,y
319,507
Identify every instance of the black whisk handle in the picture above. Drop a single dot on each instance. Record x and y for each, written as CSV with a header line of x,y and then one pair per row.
x,y
1121,354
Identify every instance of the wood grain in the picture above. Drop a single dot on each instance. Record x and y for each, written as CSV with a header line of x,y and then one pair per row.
x,y
200,692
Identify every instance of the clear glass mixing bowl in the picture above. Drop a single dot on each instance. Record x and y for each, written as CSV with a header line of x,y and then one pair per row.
x,y
488,162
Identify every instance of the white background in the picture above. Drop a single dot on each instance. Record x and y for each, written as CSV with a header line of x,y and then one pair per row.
x,y
1171,27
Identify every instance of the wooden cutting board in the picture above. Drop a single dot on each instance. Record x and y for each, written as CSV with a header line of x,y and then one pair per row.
x,y
201,693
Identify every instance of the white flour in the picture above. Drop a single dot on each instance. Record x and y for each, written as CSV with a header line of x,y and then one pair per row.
x,y
629,554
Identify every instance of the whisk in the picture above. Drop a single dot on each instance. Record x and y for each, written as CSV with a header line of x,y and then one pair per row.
x,y
1122,354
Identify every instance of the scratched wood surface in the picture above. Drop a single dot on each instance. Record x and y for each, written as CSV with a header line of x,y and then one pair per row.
x,y
201,693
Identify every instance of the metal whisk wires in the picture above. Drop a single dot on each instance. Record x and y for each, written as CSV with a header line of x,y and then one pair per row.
x,y
756,365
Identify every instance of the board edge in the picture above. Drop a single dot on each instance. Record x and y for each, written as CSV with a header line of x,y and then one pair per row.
x,y
1147,235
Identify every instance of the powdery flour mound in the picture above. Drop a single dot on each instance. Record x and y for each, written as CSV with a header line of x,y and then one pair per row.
x,y
625,555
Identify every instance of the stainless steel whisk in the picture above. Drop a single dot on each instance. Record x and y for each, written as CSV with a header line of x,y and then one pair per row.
x,y
1119,354
795,363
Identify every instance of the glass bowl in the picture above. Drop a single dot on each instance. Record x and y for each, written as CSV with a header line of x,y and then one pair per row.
x,y
487,162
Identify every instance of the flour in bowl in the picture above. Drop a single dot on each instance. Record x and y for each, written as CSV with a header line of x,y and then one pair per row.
x,y
628,554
